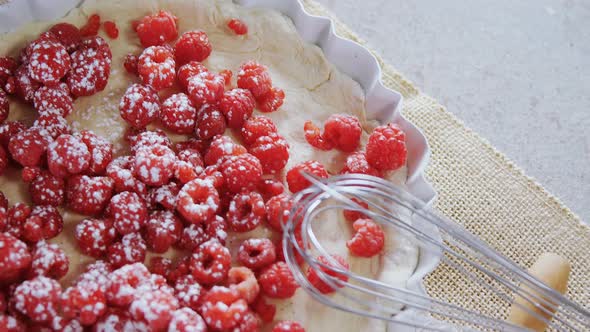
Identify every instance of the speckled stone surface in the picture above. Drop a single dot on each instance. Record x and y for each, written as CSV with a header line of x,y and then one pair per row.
x,y
516,72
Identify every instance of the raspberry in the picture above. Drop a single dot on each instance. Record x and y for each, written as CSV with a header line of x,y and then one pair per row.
x,y
272,151
271,101
130,250
227,75
85,303
297,182
90,49
67,155
49,62
314,137
386,148
257,253
49,260
4,106
357,163
154,308
353,215
209,122
121,171
111,29
165,196
318,282
3,202
154,165
91,67
246,212
46,189
237,105
91,27
162,230
214,175
243,280
147,139
130,63
277,281
189,160
178,114
157,29
180,269
128,211
257,126
210,262
37,299
14,258
220,147
205,88
94,236
44,222
115,320
11,324
139,105
124,282
16,217
343,131
188,292
254,77
288,326
95,275
25,86
7,67
101,151
28,147
198,200
265,311
249,323
186,320
216,228
192,236
189,70
192,46
3,160
222,308
156,67
55,124
237,26
368,239
241,172
88,195
160,265
67,34
269,188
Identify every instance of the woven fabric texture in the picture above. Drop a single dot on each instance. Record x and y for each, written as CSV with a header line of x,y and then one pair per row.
x,y
484,191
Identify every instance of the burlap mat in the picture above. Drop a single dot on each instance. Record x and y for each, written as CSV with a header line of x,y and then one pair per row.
x,y
484,191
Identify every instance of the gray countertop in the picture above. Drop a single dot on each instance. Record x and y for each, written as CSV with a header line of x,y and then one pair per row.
x,y
516,72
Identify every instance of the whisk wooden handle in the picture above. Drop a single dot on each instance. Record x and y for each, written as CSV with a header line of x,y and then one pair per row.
x,y
554,271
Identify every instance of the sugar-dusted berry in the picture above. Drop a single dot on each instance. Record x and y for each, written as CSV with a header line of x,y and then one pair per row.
x,y
336,262
209,122
48,62
188,70
7,67
271,101
157,29
4,106
101,152
88,195
237,105
210,262
53,122
357,163
16,217
154,165
24,85
188,292
28,147
120,170
44,222
254,77
198,200
53,99
37,299
94,236
187,320
386,148
295,179
223,308
178,114
343,131
131,249
277,281
11,324
238,26
241,172
220,147
139,105
246,211
154,308
124,282
46,189
130,63
128,212
160,265
83,302
368,239
49,260
67,155
257,253
165,196
244,281
162,230
288,326
149,138
272,151
15,258
156,67
257,126
192,46
205,88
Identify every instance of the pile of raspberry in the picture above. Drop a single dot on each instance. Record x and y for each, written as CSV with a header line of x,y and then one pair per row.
x,y
184,196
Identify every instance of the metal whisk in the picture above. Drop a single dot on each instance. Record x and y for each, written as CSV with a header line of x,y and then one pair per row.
x,y
392,207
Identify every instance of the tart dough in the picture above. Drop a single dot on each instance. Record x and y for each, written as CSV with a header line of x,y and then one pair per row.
x,y
314,89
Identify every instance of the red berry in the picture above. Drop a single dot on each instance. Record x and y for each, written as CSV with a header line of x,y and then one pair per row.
x,y
357,163
11,324
130,63
257,126
192,236
244,281
386,148
157,29
128,211
44,222
147,139
91,67
210,262
220,147
186,320
67,34
277,281
37,299
246,212
163,229
101,151
277,211
188,292
227,75
297,182
288,326
180,269
189,70
94,236
241,172
314,137
223,308
343,131
156,67
120,170
7,67
48,62
139,105
317,281
272,151
192,158
205,88
88,195
4,106
28,147
154,308
25,86
353,215
198,200
160,265
237,105
130,250
271,101
49,260
124,282
52,121
192,46
91,27
216,228
83,302
154,165
165,196
111,29
8,130
178,114
67,155
14,258
269,188
368,239
3,160
257,253
254,77
237,26
265,311
16,217
209,122
3,201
